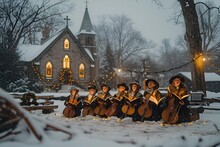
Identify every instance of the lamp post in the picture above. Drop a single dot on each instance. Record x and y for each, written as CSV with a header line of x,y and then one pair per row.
x,y
117,80
145,68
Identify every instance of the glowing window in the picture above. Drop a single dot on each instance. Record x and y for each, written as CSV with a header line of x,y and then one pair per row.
x,y
66,62
66,44
81,71
49,70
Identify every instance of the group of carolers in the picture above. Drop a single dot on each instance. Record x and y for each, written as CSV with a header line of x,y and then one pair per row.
x,y
129,102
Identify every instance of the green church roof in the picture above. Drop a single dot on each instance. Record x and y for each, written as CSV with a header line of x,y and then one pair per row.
x,y
86,25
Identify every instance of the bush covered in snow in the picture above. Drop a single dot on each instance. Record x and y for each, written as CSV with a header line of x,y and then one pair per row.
x,y
24,85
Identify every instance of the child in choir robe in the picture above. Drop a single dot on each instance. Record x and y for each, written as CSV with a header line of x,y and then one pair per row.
x,y
104,101
118,101
90,101
154,99
177,100
133,101
73,104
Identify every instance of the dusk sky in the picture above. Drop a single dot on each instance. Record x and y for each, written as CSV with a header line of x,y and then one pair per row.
x,y
153,22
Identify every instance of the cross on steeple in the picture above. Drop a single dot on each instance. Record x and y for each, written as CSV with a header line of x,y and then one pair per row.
x,y
67,19
86,3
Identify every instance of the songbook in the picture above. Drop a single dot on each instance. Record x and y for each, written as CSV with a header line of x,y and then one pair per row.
x,y
103,97
119,96
131,98
90,101
179,97
154,100
74,102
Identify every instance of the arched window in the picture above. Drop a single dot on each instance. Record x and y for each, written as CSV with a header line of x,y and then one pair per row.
x,y
66,44
81,71
49,70
66,62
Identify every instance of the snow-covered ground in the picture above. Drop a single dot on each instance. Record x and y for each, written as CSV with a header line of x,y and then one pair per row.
x,y
95,132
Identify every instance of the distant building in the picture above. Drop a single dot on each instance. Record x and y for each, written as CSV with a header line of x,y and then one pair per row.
x,y
64,59
212,81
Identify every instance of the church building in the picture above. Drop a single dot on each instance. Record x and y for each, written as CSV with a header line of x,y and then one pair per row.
x,y
64,59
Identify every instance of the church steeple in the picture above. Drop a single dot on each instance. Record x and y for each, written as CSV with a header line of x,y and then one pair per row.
x,y
87,38
86,25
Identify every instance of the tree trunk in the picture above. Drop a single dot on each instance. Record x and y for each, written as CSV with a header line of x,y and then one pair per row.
x,y
194,40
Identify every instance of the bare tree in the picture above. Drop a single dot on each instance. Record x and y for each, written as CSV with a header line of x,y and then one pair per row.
x,y
125,41
209,26
173,57
210,33
194,41
41,31
18,18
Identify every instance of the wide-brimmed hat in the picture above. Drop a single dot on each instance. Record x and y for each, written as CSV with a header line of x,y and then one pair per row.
x,y
182,79
136,83
106,85
92,87
73,88
124,85
155,82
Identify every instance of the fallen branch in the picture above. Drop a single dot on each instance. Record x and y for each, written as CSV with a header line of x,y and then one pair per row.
x,y
216,145
211,108
212,100
216,127
7,103
9,134
30,108
126,142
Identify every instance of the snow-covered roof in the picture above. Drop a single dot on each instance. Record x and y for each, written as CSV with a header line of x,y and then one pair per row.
x,y
208,76
87,32
30,52
89,53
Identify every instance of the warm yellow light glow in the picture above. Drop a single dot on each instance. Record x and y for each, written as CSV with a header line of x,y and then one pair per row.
x,y
66,62
199,61
204,59
119,70
66,44
81,71
49,70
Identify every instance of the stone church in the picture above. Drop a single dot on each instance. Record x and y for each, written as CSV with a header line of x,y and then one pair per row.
x,y
64,59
